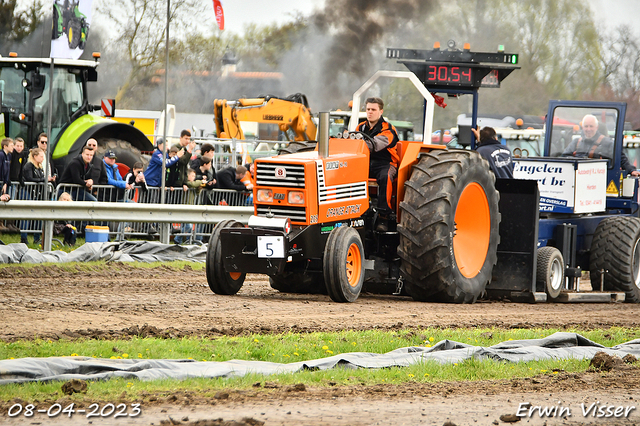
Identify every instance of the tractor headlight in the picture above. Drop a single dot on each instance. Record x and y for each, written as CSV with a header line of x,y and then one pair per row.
x,y
265,196
295,197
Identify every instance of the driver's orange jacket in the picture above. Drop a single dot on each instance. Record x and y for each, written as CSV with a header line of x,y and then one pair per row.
x,y
385,140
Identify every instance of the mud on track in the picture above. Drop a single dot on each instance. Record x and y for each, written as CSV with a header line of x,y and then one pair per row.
x,y
119,300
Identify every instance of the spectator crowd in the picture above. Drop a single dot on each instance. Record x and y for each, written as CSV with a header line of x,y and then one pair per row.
x,y
190,177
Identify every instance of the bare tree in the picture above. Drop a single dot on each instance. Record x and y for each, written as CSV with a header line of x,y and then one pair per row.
x,y
15,24
140,26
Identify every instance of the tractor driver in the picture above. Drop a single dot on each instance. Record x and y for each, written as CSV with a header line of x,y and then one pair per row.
x,y
593,144
384,159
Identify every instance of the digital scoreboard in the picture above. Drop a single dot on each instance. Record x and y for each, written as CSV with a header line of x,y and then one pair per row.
x,y
456,68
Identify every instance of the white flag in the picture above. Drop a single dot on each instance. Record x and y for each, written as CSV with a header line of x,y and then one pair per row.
x,y
70,28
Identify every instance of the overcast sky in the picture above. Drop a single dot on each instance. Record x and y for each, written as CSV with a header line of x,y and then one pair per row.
x,y
240,13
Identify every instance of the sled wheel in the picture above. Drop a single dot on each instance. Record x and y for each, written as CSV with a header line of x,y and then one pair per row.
x,y
615,249
221,281
550,271
449,227
299,282
296,146
343,264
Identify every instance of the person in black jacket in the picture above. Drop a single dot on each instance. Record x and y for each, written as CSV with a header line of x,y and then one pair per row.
x,y
207,150
498,156
229,178
18,160
78,172
98,169
5,165
42,143
33,174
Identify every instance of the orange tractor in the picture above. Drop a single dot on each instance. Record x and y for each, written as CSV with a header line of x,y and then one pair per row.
x,y
313,225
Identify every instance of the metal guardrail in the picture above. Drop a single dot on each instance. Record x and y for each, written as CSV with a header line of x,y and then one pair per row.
x,y
138,213
89,211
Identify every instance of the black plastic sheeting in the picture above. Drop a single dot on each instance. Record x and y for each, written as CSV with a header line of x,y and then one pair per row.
x,y
560,345
126,251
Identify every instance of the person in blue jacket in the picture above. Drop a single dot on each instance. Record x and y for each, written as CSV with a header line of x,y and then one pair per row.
x,y
113,176
153,173
498,155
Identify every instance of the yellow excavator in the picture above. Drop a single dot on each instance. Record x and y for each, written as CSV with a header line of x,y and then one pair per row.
x,y
291,114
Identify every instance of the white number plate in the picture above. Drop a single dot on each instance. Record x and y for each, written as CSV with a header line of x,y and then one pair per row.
x,y
271,247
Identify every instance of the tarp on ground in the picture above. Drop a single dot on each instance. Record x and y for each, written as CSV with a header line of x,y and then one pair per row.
x,y
561,345
125,251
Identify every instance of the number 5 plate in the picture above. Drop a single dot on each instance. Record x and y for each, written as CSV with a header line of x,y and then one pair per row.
x,y
271,247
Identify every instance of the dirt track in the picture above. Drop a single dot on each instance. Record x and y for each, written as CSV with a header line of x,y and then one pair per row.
x,y
119,300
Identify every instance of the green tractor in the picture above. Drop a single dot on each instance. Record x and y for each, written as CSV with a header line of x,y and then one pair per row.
x,y
68,20
24,110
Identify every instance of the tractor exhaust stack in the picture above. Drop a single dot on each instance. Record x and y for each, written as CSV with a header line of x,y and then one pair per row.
x,y
323,135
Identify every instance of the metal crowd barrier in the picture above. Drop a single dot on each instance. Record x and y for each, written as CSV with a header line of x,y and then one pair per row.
x,y
122,230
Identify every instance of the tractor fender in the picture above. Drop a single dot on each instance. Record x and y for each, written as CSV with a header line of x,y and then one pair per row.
x,y
89,126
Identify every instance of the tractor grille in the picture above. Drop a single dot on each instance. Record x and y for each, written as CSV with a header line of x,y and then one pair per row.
x,y
330,194
293,176
296,214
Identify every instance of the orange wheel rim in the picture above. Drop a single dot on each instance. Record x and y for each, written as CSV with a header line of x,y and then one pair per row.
x,y
354,265
473,230
235,275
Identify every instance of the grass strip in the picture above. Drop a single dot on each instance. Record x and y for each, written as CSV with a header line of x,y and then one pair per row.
x,y
291,347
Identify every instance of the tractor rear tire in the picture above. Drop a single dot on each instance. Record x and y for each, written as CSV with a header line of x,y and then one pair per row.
x,y
126,153
616,249
220,281
298,283
297,146
550,271
74,33
343,264
55,22
449,227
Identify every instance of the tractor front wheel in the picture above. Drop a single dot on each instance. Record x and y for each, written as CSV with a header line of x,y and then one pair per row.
x,y
449,227
220,281
343,264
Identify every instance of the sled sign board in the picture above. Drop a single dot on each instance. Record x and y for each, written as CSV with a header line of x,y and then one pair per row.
x,y
70,24
566,185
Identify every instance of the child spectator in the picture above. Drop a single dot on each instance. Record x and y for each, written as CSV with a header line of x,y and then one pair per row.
x,y
64,228
172,171
135,176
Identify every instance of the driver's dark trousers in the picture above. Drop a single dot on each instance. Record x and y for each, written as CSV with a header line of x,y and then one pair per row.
x,y
384,173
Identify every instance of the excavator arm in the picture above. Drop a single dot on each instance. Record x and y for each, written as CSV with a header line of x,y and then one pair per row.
x,y
288,114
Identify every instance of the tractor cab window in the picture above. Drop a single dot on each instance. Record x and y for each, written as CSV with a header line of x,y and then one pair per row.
x,y
67,95
14,94
584,133
15,100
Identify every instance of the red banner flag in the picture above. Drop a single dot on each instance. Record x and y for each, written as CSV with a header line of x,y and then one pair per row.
x,y
217,8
